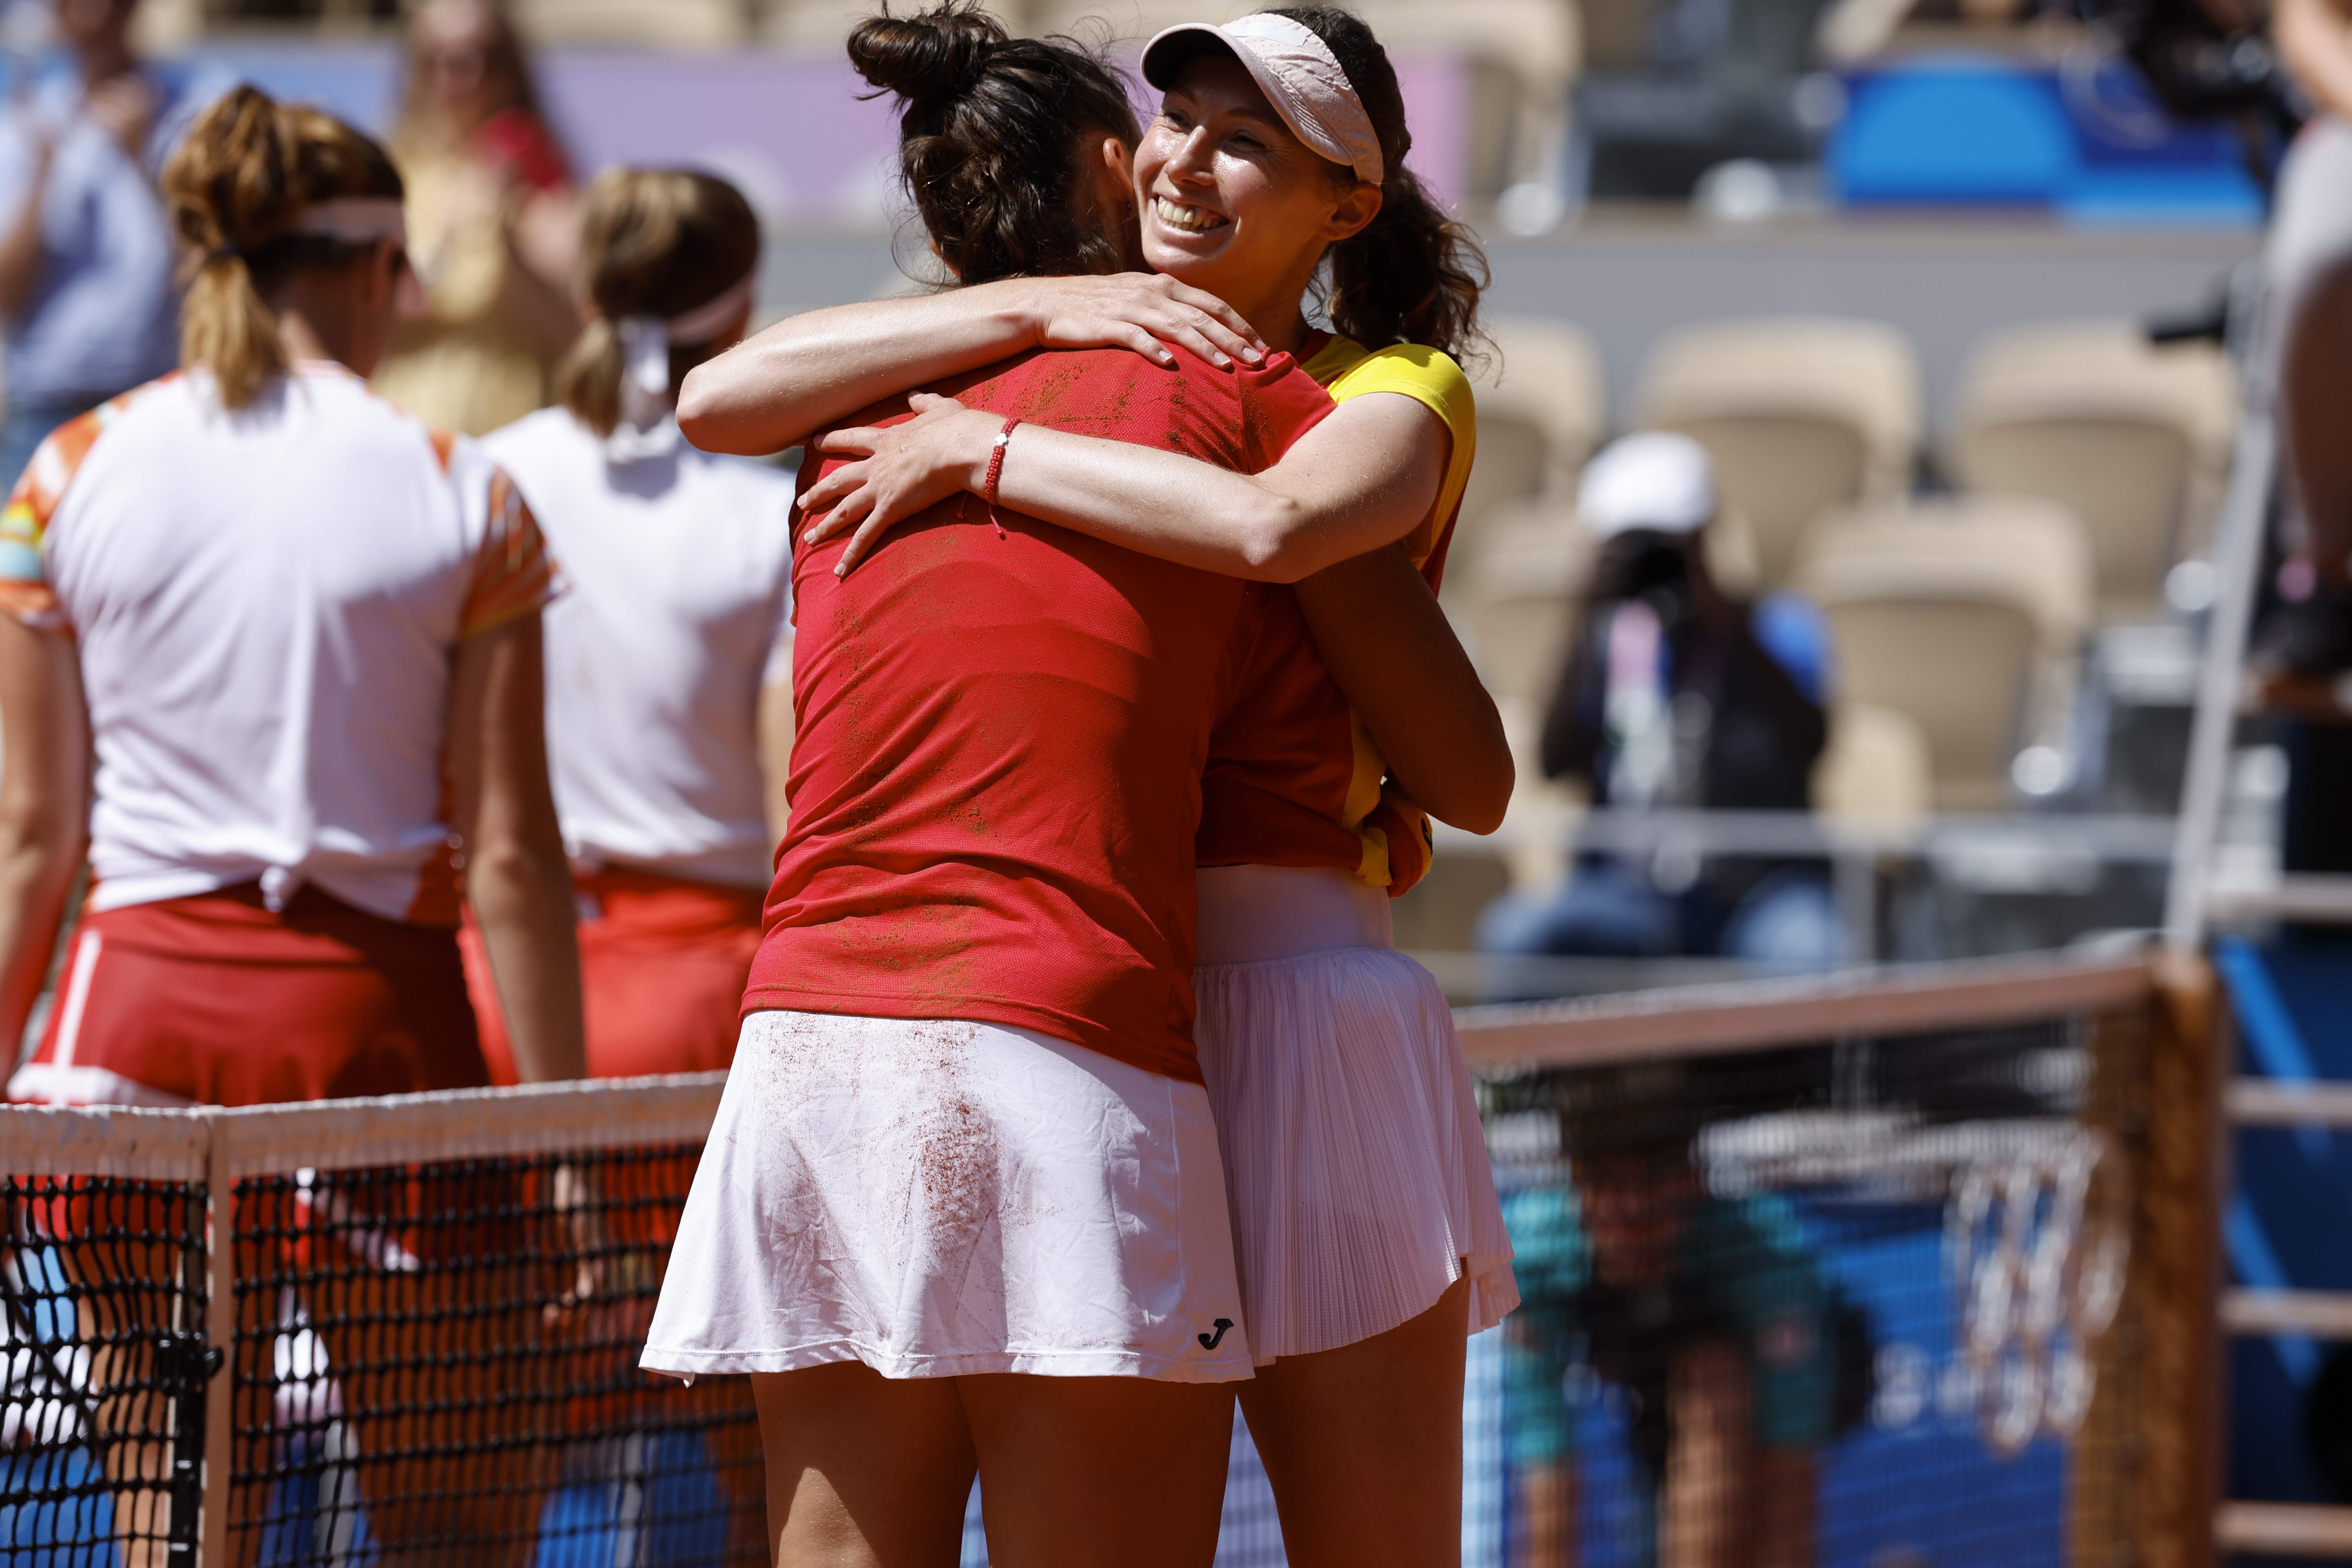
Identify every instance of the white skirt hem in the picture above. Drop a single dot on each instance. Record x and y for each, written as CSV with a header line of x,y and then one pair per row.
x,y
1355,1160
676,1362
936,1198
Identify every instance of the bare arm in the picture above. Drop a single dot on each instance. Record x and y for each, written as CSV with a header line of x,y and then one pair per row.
x,y
516,874
44,810
775,390
1358,480
1395,656
1704,1495
776,753
2314,41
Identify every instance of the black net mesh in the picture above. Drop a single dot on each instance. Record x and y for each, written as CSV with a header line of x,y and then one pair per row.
x,y
102,1372
439,1363
1867,1303
1859,1304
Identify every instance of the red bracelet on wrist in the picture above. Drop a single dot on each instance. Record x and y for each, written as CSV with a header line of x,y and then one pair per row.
x,y
996,472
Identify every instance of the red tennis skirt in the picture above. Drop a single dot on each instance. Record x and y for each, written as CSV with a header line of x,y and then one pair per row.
x,y
663,962
219,1000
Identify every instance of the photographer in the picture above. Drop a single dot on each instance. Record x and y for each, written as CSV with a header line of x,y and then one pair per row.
x,y
1677,696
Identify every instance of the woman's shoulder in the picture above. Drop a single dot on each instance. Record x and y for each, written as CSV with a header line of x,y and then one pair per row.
x,y
545,434
1429,375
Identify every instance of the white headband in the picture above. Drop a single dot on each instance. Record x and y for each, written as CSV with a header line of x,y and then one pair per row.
x,y
356,220
644,350
1299,75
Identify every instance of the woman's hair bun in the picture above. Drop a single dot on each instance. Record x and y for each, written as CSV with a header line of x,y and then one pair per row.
x,y
933,55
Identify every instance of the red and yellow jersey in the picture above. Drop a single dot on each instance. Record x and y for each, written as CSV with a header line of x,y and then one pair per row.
x,y
996,777
1294,777
265,605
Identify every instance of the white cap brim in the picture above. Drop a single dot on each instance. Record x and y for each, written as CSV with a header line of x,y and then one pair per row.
x,y
1299,75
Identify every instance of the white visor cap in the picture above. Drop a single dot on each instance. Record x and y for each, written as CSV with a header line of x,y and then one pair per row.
x,y
1299,75
1652,479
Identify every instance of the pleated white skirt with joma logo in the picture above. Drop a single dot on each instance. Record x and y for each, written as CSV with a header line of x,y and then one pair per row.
x,y
1354,1157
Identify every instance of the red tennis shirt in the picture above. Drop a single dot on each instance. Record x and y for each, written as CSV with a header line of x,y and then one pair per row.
x,y
996,777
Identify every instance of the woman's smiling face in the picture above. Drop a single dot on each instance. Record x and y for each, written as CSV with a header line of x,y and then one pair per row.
x,y
1232,201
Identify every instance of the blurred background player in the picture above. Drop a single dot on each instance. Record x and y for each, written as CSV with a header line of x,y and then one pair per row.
x,y
302,647
1677,696
670,718
1737,1357
497,226
87,285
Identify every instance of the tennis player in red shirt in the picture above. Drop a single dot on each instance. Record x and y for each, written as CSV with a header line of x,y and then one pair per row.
x,y
963,1209
1364,1209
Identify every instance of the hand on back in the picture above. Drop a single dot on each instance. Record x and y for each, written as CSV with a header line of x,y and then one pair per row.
x,y
1140,311
900,470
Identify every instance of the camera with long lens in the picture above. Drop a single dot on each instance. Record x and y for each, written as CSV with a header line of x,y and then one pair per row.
x,y
1650,566
2202,61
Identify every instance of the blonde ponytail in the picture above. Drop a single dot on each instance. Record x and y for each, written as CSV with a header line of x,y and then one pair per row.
x,y
225,325
654,242
588,378
237,187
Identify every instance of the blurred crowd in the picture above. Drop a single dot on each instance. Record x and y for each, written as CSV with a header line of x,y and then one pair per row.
x,y
90,270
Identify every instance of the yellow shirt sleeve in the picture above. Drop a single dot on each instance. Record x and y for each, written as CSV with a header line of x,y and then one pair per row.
x,y
1348,370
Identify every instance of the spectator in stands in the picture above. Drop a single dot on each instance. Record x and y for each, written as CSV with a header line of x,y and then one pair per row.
x,y
1738,1359
86,258
2307,321
669,703
1677,696
494,225
270,651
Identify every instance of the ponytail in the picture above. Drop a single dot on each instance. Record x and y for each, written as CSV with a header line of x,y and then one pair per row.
x,y
226,326
237,188
654,242
1412,274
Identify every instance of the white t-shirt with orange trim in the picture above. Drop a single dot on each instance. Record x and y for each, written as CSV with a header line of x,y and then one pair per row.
x,y
676,611
266,605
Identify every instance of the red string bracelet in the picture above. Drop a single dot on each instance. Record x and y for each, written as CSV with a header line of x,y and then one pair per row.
x,y
996,472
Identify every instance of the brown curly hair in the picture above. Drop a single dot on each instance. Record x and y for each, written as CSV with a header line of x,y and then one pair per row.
x,y
989,129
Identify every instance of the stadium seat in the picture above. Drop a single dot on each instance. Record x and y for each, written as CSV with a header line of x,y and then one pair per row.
x,y
1441,913
1516,593
1876,769
2135,438
1800,415
1543,402
1967,615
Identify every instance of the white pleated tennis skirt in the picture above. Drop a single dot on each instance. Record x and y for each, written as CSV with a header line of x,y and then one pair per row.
x,y
1354,1157
940,1199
